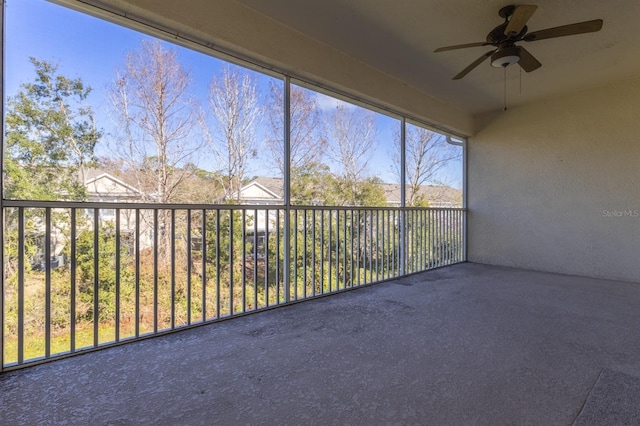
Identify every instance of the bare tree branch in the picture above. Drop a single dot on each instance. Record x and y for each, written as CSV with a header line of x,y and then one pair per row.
x,y
233,99
426,154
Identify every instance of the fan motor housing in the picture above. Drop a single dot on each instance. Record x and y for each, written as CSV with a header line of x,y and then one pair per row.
x,y
497,35
505,56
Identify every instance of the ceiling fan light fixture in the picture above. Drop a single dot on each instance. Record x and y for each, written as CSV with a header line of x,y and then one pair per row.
x,y
514,30
505,57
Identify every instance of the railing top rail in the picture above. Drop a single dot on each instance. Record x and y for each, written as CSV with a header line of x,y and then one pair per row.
x,y
131,206
457,209
189,206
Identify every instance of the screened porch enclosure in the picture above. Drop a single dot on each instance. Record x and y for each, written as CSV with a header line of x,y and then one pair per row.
x,y
174,185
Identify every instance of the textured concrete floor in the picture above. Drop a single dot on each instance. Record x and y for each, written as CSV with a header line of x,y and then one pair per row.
x,y
468,344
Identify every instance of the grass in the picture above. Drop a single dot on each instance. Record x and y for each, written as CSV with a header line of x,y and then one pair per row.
x,y
34,345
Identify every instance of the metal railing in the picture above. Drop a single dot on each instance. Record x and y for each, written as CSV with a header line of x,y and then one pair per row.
x,y
80,276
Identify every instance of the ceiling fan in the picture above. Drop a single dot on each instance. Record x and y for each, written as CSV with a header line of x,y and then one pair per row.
x,y
513,30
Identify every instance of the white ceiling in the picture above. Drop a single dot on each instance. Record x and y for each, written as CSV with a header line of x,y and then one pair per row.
x,y
399,36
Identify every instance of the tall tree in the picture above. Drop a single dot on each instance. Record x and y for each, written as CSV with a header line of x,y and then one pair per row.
x,y
426,154
158,118
352,134
307,146
51,134
233,99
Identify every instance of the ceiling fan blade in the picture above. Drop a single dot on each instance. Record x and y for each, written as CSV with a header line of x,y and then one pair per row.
x,y
527,61
519,19
461,46
473,65
565,30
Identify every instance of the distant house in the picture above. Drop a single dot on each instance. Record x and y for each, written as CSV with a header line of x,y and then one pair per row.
x,y
101,186
105,187
269,190
436,195
262,191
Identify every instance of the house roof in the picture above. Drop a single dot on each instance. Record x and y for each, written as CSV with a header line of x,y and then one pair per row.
x,y
437,195
273,185
113,179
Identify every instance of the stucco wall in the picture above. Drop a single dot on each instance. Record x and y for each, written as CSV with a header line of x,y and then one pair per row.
x,y
555,185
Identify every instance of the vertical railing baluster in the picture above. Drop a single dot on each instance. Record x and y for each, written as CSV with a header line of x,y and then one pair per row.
x,y
96,276
423,242
382,245
447,235
392,243
255,259
416,237
377,246
313,252
304,254
359,251
218,282
418,232
266,257
294,256
156,250
364,246
457,228
408,260
231,260
425,224
277,256
189,263
117,271
204,264
329,248
47,283
351,237
322,251
425,239
457,234
337,249
461,215
440,239
21,301
390,234
443,238
344,249
436,238
243,279
137,273
72,277
432,253
370,247
173,268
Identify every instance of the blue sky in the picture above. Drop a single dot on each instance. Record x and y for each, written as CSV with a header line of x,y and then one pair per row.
x,y
93,49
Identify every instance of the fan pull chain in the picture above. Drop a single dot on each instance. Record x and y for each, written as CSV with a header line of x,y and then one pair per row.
x,y
520,80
